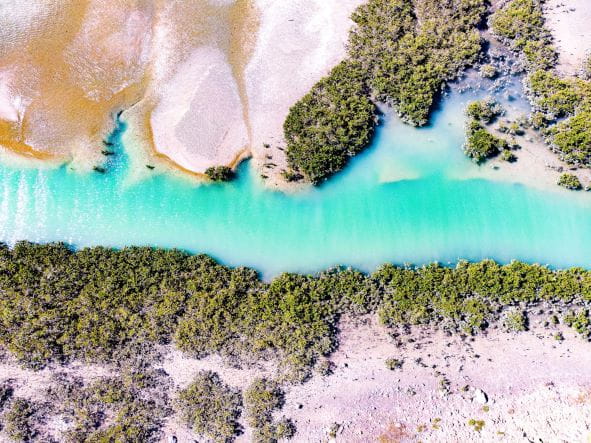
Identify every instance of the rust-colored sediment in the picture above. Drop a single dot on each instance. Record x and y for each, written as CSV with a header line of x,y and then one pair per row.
x,y
72,75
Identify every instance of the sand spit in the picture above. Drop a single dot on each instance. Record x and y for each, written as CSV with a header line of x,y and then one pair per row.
x,y
202,83
570,24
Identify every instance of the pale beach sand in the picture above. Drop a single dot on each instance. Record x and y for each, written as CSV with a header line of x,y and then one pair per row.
x,y
570,24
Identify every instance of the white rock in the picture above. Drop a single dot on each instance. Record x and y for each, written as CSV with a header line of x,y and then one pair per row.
x,y
480,396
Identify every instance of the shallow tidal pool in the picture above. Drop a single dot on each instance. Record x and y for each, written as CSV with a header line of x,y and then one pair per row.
x,y
400,201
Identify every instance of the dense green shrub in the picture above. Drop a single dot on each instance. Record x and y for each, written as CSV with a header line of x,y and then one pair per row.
x,y
481,144
210,407
332,123
220,173
401,53
520,24
484,111
569,181
104,305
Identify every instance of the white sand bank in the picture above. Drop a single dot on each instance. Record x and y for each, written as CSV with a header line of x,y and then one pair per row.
x,y
570,24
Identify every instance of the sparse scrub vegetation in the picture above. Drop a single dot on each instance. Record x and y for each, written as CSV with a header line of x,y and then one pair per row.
x,y
520,25
126,407
19,420
262,398
210,407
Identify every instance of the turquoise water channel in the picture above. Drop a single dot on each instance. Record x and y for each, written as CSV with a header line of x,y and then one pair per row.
x,y
400,201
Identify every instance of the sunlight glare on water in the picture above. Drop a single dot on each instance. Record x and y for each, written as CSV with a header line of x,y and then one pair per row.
x,y
395,203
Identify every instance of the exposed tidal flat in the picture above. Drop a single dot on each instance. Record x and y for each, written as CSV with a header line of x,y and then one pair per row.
x,y
404,201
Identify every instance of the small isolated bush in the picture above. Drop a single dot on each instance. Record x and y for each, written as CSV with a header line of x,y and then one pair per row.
x,y
18,420
508,156
211,407
478,425
488,71
273,432
569,181
586,70
393,363
325,367
481,144
515,321
579,321
220,173
485,110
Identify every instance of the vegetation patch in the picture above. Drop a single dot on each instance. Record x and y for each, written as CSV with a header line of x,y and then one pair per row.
x,y
332,123
485,110
402,53
563,106
19,420
262,399
570,181
520,25
115,306
210,407
481,144
220,173
127,407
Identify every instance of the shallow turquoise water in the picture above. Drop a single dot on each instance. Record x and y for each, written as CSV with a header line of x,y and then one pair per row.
x,y
396,203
